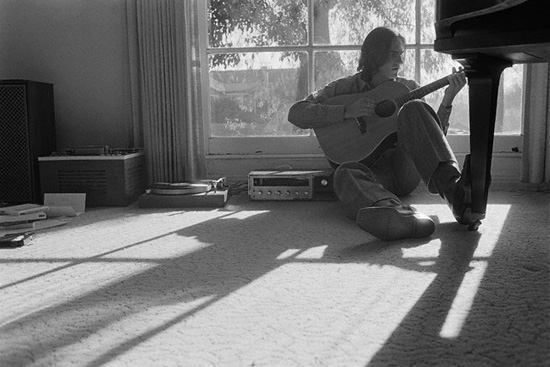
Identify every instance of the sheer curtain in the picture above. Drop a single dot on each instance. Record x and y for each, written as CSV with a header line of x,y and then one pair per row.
x,y
536,152
165,88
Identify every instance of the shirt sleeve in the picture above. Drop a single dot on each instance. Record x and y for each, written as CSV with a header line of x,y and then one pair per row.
x,y
444,114
311,113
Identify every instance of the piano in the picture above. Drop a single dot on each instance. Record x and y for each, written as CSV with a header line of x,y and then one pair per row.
x,y
485,37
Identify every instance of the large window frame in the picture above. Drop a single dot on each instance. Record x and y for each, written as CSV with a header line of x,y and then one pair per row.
x,y
278,149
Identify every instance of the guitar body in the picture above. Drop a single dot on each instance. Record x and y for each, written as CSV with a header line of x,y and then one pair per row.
x,y
344,141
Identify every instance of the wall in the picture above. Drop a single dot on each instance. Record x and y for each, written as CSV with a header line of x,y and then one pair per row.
x,y
80,46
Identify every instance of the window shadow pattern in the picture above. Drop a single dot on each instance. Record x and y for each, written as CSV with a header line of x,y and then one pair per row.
x,y
503,326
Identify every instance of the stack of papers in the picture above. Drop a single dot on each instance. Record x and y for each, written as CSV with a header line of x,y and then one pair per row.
x,y
19,222
21,216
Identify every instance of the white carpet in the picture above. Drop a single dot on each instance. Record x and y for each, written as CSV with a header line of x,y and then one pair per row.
x,y
279,284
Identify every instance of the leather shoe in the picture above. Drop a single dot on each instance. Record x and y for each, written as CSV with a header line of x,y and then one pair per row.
x,y
455,187
458,196
391,223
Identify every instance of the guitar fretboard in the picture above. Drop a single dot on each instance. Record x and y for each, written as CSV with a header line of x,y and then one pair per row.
x,y
421,92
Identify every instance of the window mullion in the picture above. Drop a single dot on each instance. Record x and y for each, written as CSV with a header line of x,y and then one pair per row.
x,y
310,53
204,68
311,61
418,36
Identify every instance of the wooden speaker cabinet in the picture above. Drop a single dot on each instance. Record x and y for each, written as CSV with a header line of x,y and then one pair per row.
x,y
27,131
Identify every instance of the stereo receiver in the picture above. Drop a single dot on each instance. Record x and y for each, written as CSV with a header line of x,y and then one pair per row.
x,y
290,185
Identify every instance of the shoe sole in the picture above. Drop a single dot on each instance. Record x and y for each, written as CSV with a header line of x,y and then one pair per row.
x,y
464,215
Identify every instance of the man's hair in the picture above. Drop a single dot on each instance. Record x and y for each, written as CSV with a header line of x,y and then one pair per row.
x,y
375,50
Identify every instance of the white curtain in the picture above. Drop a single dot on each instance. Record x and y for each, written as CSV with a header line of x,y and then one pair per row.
x,y
536,147
165,88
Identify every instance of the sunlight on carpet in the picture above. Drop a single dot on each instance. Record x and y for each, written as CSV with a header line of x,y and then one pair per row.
x,y
472,279
244,214
468,289
325,313
271,284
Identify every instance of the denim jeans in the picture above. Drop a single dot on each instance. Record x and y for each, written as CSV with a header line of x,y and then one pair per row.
x,y
421,146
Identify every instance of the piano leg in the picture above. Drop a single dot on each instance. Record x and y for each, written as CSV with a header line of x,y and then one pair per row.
x,y
483,73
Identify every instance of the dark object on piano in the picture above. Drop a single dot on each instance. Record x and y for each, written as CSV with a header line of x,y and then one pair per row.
x,y
487,36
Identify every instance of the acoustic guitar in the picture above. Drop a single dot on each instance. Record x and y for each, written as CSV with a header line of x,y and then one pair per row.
x,y
366,138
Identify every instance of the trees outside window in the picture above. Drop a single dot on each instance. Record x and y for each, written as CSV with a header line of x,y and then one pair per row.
x,y
264,55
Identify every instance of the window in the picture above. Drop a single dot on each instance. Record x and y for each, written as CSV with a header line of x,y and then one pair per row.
x,y
261,56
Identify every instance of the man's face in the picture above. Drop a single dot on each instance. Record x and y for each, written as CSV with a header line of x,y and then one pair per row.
x,y
389,70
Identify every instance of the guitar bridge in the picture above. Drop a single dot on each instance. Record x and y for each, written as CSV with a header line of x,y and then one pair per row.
x,y
361,124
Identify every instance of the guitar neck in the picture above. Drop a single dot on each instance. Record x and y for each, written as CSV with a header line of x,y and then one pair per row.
x,y
422,91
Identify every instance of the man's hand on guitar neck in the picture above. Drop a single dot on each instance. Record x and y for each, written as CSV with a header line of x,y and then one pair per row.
x,y
361,107
457,80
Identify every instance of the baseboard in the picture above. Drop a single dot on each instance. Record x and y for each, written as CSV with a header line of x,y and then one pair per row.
x,y
505,172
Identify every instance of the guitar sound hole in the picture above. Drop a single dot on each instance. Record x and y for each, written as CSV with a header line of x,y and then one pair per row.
x,y
385,109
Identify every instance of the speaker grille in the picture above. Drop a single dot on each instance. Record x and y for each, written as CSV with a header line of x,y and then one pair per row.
x,y
15,165
83,180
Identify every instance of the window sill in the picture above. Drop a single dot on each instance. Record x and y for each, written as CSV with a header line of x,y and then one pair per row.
x,y
506,166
